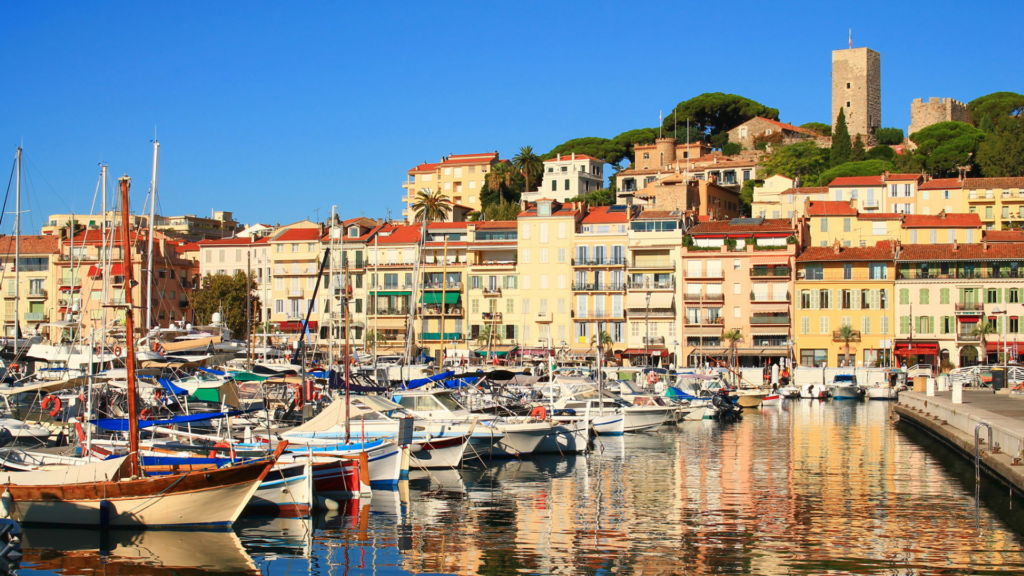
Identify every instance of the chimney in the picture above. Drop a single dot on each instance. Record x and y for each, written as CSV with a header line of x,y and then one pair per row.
x,y
885,175
559,156
574,155
836,247
955,245
942,214
984,245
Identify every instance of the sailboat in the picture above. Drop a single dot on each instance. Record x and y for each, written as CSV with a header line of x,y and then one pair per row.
x,y
115,492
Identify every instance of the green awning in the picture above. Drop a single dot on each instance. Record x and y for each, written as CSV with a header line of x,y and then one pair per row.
x,y
391,293
435,298
247,377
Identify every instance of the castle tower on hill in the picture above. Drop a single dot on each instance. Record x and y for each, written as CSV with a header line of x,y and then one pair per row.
x,y
857,89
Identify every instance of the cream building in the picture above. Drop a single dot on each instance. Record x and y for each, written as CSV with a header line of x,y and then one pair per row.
x,y
998,201
493,289
598,284
294,256
568,176
35,296
653,296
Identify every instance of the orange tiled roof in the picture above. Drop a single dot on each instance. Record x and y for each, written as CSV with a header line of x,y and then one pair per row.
x,y
882,250
1004,235
570,157
903,177
601,215
993,251
830,208
974,183
299,235
856,181
806,190
43,244
941,184
962,220
769,225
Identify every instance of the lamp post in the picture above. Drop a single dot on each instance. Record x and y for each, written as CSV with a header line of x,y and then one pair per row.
x,y
675,358
1005,351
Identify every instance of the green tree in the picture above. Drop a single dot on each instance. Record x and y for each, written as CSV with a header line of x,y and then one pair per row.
x,y
881,152
846,334
602,341
983,330
942,147
603,197
715,113
732,148
503,183
889,136
224,294
819,127
987,125
372,337
858,152
501,211
733,337
747,191
1001,154
431,205
997,106
530,166
842,148
625,141
804,160
603,148
865,168
488,336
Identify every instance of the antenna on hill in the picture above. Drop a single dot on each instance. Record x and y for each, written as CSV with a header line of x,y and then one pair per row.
x,y
660,122
851,38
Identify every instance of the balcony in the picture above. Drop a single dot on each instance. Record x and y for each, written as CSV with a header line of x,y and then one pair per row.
x,y
653,264
491,316
442,285
294,293
37,294
598,314
870,203
698,274
598,262
389,287
838,337
718,322
761,320
492,292
35,316
988,195
391,312
780,272
489,265
769,297
968,337
703,297
652,313
652,285
591,287
437,311
544,317
969,308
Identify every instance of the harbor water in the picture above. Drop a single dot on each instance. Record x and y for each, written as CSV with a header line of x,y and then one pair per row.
x,y
808,487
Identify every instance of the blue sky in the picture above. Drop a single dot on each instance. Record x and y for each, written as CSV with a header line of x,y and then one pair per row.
x,y
274,110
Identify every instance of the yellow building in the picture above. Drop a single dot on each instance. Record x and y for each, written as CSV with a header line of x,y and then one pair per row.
x,y
295,254
831,221
392,253
941,195
441,309
767,198
460,177
838,286
941,228
493,291
599,278
998,201
36,293
654,248
546,237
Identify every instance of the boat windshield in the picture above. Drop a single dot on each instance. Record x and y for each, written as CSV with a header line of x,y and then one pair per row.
x,y
448,402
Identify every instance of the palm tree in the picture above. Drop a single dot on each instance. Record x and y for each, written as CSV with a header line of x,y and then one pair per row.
x,y
371,337
488,336
431,206
846,334
501,177
733,336
983,329
528,163
602,341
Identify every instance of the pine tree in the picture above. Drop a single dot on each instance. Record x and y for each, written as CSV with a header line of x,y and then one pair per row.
x,y
842,148
858,150
987,125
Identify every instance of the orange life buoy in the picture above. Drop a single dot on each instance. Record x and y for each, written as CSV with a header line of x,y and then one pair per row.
x,y
145,414
156,346
117,350
539,412
55,402
652,378
213,453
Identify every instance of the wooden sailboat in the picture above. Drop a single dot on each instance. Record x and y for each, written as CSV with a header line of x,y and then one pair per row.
x,y
115,492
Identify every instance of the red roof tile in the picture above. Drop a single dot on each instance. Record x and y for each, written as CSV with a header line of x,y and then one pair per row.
x,y
232,241
1004,235
659,214
299,235
856,181
942,220
806,190
789,127
882,250
446,225
879,216
975,183
425,167
95,236
993,251
492,224
717,227
44,244
830,208
903,177
393,234
578,157
600,215
941,184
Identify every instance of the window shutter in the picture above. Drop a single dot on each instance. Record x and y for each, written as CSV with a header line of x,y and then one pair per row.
x,y
904,296
855,295
814,299
904,324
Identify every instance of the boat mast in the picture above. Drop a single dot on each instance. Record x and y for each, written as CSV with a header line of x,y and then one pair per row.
x,y
129,326
104,252
149,247
17,251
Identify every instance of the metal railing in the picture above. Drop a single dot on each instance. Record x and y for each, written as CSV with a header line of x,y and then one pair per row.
x,y
592,287
492,292
838,337
708,274
958,274
492,316
652,285
442,285
392,312
621,261
778,271
775,320
436,311
588,314
703,296
969,307
769,297
658,263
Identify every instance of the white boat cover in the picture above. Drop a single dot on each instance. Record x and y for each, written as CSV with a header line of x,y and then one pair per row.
x,y
63,475
332,415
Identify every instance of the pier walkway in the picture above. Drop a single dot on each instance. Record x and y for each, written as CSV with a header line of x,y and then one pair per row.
x,y
954,424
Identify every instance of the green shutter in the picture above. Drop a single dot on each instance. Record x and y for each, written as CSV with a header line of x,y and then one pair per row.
x,y
904,296
944,296
999,295
904,324
931,324
924,296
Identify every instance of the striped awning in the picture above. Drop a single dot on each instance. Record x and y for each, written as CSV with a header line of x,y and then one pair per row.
x,y
385,323
704,331
769,331
772,307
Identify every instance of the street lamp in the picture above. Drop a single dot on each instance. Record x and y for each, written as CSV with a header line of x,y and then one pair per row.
x,y
675,348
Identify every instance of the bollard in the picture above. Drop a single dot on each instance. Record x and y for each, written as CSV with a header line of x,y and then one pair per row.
x,y
958,393
930,387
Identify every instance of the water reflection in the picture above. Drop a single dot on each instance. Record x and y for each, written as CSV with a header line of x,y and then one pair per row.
x,y
805,488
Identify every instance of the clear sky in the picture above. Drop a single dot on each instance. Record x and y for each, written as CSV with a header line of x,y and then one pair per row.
x,y
275,110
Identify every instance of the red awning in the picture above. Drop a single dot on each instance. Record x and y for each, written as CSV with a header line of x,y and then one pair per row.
x,y
644,352
95,272
917,346
117,269
916,351
295,326
968,319
1013,347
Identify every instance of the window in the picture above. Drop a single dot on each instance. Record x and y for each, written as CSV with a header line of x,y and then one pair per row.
x,y
947,324
865,325
823,325
847,271
561,251
566,185
1013,296
824,224
846,224
1014,325
904,296
805,325
925,297
933,236
814,358
992,296
543,254
913,236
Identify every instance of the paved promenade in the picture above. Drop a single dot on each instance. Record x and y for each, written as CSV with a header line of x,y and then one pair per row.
x,y
955,425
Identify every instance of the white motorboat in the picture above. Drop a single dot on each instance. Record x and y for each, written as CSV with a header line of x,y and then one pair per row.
x,y
772,400
844,387
22,431
790,391
287,490
611,415
883,393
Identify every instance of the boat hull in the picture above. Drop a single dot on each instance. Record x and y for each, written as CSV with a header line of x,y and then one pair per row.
x,y
772,400
749,400
883,393
438,453
286,491
384,459
567,437
814,391
847,393
212,498
609,424
644,418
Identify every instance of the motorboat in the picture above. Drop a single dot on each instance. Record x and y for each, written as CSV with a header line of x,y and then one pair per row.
x,y
844,387
610,414
883,393
750,397
774,399
790,391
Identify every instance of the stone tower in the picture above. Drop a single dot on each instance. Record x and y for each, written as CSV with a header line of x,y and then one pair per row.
x,y
925,113
857,89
